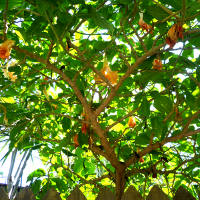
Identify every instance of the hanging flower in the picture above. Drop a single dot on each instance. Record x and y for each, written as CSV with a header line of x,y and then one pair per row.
x,y
84,125
76,143
141,160
178,114
112,76
12,76
5,72
174,33
131,122
157,64
45,81
84,128
5,119
144,25
5,48
9,75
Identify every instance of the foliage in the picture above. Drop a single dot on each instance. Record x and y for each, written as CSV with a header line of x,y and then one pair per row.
x,y
81,70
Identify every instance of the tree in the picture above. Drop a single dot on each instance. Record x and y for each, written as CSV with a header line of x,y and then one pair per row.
x,y
103,92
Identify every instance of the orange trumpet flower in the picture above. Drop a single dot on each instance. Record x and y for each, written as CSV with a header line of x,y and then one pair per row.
x,y
144,25
131,122
174,33
157,64
5,48
112,76
84,128
76,143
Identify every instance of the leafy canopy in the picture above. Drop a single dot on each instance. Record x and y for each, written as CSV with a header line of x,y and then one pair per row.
x,y
106,91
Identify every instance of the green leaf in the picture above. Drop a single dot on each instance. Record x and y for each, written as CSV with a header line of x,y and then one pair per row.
x,y
157,12
125,2
174,3
163,104
143,138
100,21
156,123
68,153
66,123
83,139
144,108
35,186
12,4
125,152
78,165
36,174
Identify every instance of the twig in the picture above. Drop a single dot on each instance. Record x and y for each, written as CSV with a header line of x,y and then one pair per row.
x,y
165,9
192,17
121,119
126,75
5,20
156,145
183,10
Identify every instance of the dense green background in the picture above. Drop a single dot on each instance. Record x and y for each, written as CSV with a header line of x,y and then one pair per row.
x,y
168,141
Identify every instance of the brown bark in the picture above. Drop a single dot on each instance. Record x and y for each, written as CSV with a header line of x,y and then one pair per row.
x,y
120,181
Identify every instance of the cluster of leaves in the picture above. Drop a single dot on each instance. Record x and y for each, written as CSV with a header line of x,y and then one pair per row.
x,y
60,47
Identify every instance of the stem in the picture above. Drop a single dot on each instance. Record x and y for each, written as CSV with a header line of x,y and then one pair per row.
x,y
5,20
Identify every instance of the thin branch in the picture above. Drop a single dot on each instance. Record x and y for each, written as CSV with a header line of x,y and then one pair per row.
x,y
192,17
183,10
121,119
165,9
126,75
158,144
50,51
5,20
83,20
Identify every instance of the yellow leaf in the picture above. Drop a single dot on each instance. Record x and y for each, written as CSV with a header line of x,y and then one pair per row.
x,y
7,100
21,37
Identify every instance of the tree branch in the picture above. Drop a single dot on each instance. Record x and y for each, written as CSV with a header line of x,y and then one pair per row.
x,y
157,145
126,75
110,154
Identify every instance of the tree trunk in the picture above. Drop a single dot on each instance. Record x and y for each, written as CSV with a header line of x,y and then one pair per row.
x,y
120,182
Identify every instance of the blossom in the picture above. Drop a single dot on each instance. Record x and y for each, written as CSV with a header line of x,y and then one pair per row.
x,y
5,48
144,25
141,160
9,75
12,76
174,33
5,72
84,125
5,119
131,122
45,81
76,143
112,76
157,64
84,128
